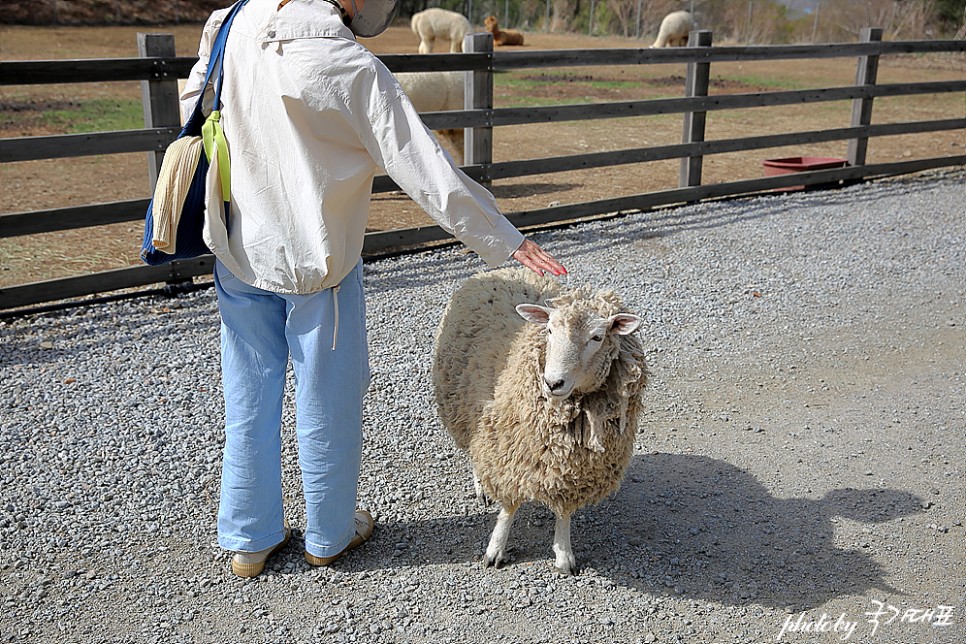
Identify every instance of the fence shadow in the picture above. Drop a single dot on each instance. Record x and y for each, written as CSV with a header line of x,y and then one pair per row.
x,y
613,233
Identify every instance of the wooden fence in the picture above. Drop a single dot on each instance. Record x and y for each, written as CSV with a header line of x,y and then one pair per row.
x,y
158,70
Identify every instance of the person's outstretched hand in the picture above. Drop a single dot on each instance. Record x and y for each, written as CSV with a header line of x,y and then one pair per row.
x,y
537,259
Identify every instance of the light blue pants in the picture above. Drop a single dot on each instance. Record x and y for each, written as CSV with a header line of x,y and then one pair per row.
x,y
259,331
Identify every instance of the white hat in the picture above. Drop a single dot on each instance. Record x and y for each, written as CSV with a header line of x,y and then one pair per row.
x,y
375,17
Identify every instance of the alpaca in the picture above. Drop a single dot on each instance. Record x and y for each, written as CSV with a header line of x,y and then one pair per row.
x,y
500,37
439,23
436,92
674,30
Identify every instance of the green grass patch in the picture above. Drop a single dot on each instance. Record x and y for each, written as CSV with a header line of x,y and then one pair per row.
x,y
532,81
531,89
764,82
99,115
528,101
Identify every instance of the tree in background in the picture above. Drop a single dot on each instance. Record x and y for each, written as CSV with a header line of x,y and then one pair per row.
x,y
842,20
898,19
952,16
641,18
747,22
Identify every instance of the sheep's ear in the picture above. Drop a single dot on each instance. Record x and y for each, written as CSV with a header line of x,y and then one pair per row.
x,y
534,313
623,323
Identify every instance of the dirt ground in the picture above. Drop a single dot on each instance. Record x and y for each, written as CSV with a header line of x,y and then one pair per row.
x,y
50,184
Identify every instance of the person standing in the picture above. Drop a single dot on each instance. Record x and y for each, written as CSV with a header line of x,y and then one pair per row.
x,y
310,116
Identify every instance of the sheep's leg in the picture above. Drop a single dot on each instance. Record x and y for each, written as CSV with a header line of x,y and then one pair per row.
x,y
496,550
564,561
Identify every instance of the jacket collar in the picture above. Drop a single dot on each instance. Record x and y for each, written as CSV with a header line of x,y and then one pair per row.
x,y
294,20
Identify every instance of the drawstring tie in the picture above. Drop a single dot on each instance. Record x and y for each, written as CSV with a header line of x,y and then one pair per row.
x,y
335,310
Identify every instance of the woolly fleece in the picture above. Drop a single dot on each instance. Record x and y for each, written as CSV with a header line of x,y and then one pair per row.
x,y
436,23
487,373
674,30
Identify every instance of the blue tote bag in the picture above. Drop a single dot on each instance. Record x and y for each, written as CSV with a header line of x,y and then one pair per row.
x,y
175,219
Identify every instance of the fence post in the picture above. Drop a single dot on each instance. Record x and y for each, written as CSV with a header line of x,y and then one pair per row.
x,y
695,84
865,74
478,95
159,96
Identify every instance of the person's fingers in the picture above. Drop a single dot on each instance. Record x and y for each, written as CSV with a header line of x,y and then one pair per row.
x,y
531,255
545,262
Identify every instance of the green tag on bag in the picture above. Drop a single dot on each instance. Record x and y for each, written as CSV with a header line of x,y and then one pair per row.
x,y
212,132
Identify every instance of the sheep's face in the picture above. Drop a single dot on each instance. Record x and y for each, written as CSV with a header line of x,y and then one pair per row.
x,y
578,340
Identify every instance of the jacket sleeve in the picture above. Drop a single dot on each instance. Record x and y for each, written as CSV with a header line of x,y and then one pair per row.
x,y
406,150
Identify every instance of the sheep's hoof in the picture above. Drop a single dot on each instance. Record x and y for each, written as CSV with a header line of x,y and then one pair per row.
x,y
497,560
566,566
567,571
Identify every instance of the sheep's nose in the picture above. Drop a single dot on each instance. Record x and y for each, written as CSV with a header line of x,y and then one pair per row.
x,y
554,386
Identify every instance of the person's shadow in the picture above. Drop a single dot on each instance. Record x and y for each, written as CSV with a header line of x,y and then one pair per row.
x,y
681,525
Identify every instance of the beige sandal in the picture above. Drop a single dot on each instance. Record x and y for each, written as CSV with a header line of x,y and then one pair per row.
x,y
364,528
251,564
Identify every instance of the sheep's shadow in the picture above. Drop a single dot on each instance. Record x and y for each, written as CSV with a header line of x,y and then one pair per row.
x,y
681,525
706,529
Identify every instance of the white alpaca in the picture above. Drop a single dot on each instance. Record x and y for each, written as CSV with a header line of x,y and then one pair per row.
x,y
436,92
439,23
674,30
545,399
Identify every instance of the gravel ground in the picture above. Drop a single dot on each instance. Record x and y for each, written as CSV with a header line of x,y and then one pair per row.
x,y
799,464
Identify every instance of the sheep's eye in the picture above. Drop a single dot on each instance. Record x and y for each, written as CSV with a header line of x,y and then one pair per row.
x,y
597,338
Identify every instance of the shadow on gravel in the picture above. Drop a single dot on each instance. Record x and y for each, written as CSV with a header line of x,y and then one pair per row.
x,y
683,526
701,528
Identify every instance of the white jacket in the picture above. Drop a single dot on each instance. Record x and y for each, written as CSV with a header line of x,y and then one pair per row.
x,y
310,117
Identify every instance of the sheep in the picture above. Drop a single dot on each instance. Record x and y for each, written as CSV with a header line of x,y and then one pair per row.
x,y
439,23
437,92
547,411
674,30
509,37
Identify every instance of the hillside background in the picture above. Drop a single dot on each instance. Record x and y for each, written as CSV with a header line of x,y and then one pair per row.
x,y
741,21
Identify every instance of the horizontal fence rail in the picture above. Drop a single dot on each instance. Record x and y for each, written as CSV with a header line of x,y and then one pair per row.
x,y
32,148
158,74
383,242
44,221
38,72
592,57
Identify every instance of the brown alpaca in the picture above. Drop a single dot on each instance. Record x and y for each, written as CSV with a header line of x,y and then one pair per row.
x,y
509,37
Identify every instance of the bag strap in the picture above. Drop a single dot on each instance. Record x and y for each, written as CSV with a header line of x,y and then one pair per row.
x,y
215,68
219,47
212,134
